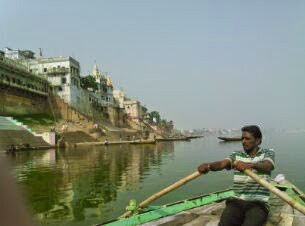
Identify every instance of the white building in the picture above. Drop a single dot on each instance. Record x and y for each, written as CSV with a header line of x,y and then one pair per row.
x,y
62,73
17,54
119,96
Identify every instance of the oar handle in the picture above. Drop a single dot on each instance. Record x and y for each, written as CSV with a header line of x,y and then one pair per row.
x,y
166,190
275,190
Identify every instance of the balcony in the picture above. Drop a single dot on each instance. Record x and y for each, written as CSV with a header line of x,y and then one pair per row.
x,y
53,71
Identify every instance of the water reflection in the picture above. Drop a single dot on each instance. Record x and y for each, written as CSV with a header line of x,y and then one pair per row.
x,y
74,184
89,185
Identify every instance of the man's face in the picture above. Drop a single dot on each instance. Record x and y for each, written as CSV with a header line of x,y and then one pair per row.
x,y
249,141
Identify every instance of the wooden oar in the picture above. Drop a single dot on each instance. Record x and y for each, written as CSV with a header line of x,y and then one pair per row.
x,y
276,191
166,190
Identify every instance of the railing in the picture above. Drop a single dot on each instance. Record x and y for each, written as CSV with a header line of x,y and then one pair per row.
x,y
19,66
23,87
13,63
57,71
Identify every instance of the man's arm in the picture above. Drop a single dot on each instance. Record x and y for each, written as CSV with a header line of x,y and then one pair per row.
x,y
264,166
214,166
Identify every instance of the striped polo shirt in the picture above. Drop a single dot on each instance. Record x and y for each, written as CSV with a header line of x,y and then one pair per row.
x,y
245,187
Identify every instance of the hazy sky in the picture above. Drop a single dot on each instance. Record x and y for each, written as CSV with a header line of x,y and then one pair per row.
x,y
199,63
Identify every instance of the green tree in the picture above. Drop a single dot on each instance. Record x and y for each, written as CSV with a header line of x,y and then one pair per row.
x,y
144,109
89,82
155,115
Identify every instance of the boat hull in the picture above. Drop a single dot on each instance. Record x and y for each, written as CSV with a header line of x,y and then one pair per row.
x,y
207,209
230,138
144,142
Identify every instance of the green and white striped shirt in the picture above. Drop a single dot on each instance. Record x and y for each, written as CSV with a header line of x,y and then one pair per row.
x,y
245,187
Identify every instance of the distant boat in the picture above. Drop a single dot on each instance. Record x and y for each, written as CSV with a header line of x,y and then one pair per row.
x,y
194,136
230,138
143,142
174,139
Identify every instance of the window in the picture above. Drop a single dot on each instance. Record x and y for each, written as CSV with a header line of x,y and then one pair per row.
x,y
45,69
63,80
59,88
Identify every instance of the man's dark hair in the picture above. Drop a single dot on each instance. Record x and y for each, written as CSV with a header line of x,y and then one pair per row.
x,y
254,130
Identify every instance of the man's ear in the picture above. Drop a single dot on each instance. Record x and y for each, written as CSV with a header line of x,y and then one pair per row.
x,y
258,141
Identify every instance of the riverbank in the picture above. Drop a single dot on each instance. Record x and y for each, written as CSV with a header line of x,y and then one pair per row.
x,y
82,131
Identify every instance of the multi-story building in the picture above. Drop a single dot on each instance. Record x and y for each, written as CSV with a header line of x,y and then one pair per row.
x,y
63,73
17,54
15,75
21,90
119,97
133,109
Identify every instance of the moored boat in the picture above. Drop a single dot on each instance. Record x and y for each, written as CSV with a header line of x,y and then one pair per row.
x,y
194,136
230,138
143,142
16,148
206,210
174,139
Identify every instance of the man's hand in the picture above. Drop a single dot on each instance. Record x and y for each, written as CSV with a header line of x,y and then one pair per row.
x,y
241,166
204,168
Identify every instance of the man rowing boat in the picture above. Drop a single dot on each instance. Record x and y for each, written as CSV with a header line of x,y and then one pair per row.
x,y
249,205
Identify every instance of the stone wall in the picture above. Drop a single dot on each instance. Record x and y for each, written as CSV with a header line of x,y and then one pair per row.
x,y
63,111
18,102
96,114
117,116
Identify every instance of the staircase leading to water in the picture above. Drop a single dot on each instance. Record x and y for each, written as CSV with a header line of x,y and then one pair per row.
x,y
13,134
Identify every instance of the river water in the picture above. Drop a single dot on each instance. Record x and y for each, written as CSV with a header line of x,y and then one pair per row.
x,y
89,185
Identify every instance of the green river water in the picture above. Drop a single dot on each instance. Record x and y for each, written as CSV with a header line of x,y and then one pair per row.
x,y
89,185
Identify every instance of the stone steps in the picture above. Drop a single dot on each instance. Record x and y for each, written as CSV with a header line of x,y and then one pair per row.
x,y
77,137
12,134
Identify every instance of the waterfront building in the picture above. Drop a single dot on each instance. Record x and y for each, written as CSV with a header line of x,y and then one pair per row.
x,y
21,89
119,97
133,109
105,87
15,75
63,73
17,54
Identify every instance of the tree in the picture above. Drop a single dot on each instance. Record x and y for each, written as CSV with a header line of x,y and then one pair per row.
x,y
154,115
88,82
144,109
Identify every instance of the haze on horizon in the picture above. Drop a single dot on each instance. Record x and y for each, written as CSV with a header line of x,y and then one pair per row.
x,y
219,64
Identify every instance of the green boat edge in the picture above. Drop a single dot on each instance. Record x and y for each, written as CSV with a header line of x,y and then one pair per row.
x,y
153,213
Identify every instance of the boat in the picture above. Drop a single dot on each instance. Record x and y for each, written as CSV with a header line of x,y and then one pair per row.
x,y
174,139
194,136
207,209
143,142
230,138
16,148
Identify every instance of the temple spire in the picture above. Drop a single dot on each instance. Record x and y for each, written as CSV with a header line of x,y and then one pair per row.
x,y
95,72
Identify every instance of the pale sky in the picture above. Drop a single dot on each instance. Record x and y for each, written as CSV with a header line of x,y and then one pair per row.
x,y
200,63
